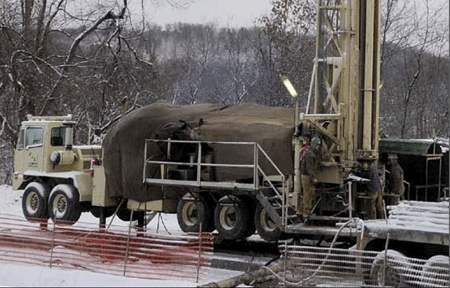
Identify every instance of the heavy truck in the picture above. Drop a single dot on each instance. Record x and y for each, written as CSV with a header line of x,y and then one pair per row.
x,y
236,168
61,180
184,165
57,176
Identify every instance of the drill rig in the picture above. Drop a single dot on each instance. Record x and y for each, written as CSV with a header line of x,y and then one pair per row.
x,y
343,103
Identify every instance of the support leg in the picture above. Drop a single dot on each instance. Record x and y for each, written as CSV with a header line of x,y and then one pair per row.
x,y
141,222
102,218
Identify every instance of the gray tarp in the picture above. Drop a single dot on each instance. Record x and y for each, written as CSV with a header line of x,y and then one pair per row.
x,y
271,127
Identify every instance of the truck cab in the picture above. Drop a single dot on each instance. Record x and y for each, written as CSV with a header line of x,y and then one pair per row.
x,y
57,177
38,137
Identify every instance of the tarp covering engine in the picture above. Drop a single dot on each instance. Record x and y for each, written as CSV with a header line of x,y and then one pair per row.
x,y
271,127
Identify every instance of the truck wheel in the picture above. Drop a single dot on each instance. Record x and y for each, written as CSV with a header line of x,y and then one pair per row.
x,y
96,211
251,228
193,210
125,215
265,227
395,267
64,204
435,272
34,201
231,218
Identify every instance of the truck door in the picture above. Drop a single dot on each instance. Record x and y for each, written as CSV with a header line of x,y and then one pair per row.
x,y
19,154
34,144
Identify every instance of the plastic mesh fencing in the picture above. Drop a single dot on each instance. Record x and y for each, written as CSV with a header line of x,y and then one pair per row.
x,y
118,250
334,267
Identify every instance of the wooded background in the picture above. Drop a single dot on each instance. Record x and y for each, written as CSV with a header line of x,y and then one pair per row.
x,y
56,59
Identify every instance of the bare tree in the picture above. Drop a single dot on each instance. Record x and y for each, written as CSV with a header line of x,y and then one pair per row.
x,y
286,46
59,58
412,43
195,49
241,72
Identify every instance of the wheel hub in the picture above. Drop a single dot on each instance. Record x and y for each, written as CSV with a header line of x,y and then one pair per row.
x,y
266,222
60,205
190,214
32,202
228,217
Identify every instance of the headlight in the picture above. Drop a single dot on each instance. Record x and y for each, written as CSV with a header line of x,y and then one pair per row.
x,y
55,158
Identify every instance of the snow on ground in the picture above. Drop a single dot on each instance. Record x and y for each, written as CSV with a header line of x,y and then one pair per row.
x,y
39,276
22,275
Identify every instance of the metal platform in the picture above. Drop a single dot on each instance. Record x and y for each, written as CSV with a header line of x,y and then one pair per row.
x,y
410,221
302,229
413,221
200,184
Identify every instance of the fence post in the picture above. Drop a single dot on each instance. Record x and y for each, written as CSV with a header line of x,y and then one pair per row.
x,y
285,263
359,251
385,259
157,224
199,252
53,238
128,244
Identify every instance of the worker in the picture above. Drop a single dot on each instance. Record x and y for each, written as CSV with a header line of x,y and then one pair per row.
x,y
396,180
303,150
309,167
375,193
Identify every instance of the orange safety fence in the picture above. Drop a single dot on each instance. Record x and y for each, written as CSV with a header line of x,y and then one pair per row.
x,y
118,250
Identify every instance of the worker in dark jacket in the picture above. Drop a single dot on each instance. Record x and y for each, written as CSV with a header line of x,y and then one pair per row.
x,y
375,193
309,167
396,180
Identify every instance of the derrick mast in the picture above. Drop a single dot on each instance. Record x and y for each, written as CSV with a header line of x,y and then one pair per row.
x,y
343,105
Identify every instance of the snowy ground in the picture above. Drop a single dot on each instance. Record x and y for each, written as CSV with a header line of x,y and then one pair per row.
x,y
21,275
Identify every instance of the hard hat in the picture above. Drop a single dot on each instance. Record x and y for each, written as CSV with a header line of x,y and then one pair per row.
x,y
393,156
315,141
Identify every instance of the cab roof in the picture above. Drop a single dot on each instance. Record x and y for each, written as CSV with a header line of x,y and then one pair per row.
x,y
30,117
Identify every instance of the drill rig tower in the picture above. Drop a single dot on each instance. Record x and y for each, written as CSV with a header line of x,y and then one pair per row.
x,y
343,107
343,103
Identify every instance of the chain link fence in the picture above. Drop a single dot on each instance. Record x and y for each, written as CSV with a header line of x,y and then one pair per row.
x,y
306,266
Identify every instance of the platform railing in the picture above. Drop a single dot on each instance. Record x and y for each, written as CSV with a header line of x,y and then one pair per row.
x,y
254,168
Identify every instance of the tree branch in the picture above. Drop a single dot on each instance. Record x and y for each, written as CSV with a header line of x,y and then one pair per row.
x,y
8,130
71,55
134,52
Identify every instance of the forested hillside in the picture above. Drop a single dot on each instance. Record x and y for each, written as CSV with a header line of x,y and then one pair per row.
x,y
54,61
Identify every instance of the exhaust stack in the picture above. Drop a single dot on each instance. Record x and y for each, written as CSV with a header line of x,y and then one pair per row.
x,y
69,134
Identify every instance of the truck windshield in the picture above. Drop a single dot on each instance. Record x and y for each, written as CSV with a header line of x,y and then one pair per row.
x,y
58,136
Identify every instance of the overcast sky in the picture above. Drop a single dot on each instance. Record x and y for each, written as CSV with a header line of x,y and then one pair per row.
x,y
234,13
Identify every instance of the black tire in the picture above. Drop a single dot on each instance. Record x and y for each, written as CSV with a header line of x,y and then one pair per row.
x,y
396,265
95,211
265,227
125,215
231,218
193,210
34,202
64,204
251,229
